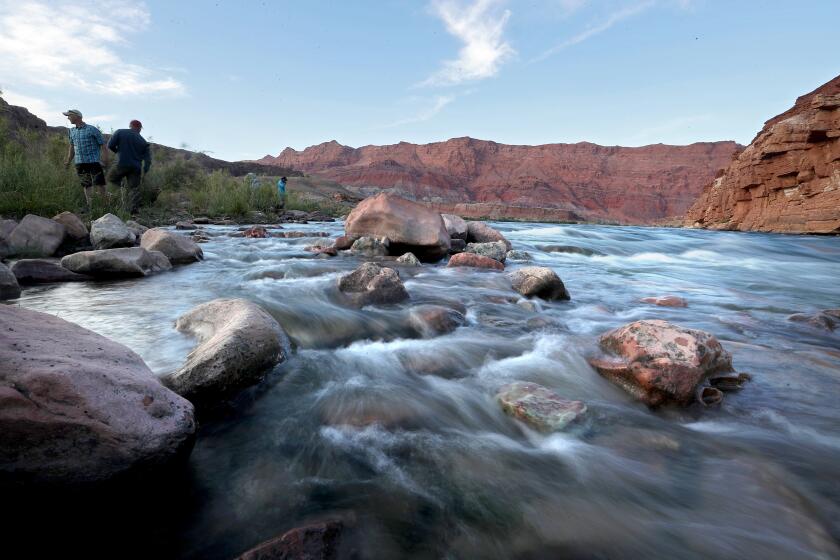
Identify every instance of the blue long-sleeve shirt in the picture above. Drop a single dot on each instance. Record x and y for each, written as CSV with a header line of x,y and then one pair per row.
x,y
132,149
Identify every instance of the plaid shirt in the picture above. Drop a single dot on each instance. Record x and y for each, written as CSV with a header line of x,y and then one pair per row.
x,y
86,142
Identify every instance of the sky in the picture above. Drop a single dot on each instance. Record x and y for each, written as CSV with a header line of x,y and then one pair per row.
x,y
241,79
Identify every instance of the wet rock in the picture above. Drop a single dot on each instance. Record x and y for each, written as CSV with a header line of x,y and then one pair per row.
x,y
409,226
408,259
475,261
6,229
538,406
456,226
373,284
518,256
457,246
179,249
317,541
238,342
322,250
299,234
496,250
709,396
344,242
666,301
111,263
35,236
479,232
78,407
256,232
72,224
729,382
201,220
136,228
659,362
44,271
569,249
434,320
186,225
529,305
370,247
538,281
827,319
9,287
109,232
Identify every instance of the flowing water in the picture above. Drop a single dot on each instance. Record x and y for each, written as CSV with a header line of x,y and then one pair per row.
x,y
401,436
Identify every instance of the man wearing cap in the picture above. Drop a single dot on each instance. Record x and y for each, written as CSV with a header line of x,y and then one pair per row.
x,y
87,151
133,154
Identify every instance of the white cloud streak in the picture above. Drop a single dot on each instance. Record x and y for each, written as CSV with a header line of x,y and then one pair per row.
x,y
480,26
438,103
590,32
75,45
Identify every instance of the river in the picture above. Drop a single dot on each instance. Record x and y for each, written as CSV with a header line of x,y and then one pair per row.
x,y
401,436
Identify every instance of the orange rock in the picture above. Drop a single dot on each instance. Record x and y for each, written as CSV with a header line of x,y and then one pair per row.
x,y
477,261
666,301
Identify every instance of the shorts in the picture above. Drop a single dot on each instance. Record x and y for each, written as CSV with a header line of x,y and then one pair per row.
x,y
90,174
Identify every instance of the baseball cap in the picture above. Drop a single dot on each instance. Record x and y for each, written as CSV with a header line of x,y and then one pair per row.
x,y
136,123
72,112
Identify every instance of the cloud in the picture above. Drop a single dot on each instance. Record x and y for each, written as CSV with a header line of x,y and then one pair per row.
x,y
438,103
479,25
610,21
75,45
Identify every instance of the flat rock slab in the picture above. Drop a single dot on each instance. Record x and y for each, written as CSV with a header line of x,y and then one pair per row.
x,y
78,407
116,263
538,406
44,271
238,342
178,248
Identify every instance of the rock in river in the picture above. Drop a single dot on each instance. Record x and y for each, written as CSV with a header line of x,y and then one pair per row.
x,y
496,250
78,407
238,342
44,271
109,232
479,232
373,284
539,281
35,236
666,301
370,246
114,263
9,287
659,362
475,261
539,406
433,320
408,259
316,541
179,249
73,224
456,226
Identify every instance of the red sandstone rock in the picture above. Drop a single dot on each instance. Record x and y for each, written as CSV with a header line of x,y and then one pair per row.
x,y
559,182
788,179
476,261
666,301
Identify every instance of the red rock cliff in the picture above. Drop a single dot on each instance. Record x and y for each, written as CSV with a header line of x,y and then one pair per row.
x,y
557,181
787,179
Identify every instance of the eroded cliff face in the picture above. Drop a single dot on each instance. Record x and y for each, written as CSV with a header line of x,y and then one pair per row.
x,y
555,181
788,179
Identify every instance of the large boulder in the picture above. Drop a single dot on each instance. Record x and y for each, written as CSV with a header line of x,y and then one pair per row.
x,y
238,342
408,225
136,228
44,271
373,284
370,247
659,362
538,406
109,232
178,248
479,232
475,261
124,262
456,226
6,229
73,224
9,288
496,250
538,281
78,407
35,236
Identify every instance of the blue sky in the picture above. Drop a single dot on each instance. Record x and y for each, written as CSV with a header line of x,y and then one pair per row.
x,y
240,79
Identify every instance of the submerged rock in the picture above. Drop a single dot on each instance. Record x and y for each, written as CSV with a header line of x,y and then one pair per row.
x,y
185,225
178,249
238,342
322,250
78,407
35,236
109,232
256,232
827,319
433,320
496,250
538,406
136,228
475,261
538,281
370,247
72,224
479,232
408,225
9,287
373,284
573,249
112,263
518,256
316,541
659,362
456,226
666,301
44,271
408,259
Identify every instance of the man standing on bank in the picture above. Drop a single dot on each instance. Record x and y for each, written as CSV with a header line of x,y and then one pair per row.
x,y
87,151
134,154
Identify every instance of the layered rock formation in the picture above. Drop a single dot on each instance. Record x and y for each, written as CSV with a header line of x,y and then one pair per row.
x,y
788,179
560,182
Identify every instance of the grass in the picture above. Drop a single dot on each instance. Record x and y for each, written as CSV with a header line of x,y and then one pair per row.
x,y
34,180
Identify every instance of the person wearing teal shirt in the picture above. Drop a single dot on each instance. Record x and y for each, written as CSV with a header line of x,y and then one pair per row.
x,y
281,191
